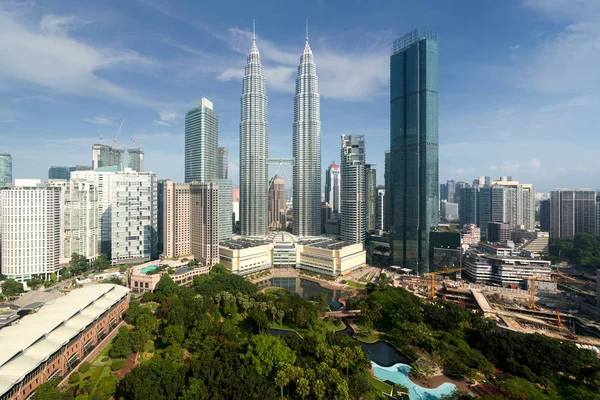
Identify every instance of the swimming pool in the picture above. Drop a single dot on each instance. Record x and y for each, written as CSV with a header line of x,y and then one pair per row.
x,y
147,269
398,373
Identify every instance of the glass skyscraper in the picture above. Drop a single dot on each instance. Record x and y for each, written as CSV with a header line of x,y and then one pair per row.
x,y
414,148
5,169
201,142
254,149
307,148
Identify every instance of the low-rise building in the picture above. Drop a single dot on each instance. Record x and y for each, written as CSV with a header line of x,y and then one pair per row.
x,y
503,270
330,256
471,235
496,249
144,278
51,342
244,256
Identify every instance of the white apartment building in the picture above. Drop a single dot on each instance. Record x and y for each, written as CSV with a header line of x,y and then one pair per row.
x,y
127,213
79,219
30,230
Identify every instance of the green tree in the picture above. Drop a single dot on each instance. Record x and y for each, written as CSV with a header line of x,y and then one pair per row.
x,y
11,288
106,388
74,377
49,391
282,379
267,353
78,264
121,344
259,320
174,335
302,388
219,269
101,263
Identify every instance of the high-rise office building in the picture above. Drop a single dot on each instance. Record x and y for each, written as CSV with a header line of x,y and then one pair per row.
x,y
225,208
204,214
5,169
30,230
380,211
160,205
277,204
254,149
332,188
545,215
177,219
353,189
222,163
325,215
387,176
414,148
201,142
443,192
135,159
307,148
572,212
450,190
371,200
117,156
79,232
127,213
449,210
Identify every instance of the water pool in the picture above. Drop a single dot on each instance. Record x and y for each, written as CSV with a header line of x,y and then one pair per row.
x,y
147,269
398,373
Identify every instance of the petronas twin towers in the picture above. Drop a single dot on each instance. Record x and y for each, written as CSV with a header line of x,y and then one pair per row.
x,y
306,149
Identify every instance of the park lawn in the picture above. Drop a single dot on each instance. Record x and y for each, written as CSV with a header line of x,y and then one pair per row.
x,y
320,326
380,385
273,289
371,338
356,285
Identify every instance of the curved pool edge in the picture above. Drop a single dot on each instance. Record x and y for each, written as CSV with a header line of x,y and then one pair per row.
x,y
399,373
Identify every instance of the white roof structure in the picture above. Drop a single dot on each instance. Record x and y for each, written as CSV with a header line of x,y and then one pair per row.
x,y
27,344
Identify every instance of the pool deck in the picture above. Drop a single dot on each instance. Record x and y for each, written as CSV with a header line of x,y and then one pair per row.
x,y
438,380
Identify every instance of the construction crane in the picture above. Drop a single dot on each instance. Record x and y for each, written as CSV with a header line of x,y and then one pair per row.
x,y
432,279
533,279
134,142
558,320
119,131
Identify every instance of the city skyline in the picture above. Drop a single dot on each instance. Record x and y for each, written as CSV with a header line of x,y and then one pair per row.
x,y
520,110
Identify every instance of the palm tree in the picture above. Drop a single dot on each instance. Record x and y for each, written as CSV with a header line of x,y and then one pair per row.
x,y
302,388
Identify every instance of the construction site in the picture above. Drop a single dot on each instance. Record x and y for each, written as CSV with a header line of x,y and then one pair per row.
x,y
561,305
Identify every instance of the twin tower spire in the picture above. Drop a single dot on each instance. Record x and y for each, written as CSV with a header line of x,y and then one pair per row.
x,y
254,148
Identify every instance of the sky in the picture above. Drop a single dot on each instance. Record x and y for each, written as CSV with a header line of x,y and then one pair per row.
x,y
519,87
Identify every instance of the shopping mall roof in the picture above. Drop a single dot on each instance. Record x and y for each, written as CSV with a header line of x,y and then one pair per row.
x,y
24,346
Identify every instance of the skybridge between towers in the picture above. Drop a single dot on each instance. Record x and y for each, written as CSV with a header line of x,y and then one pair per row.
x,y
280,162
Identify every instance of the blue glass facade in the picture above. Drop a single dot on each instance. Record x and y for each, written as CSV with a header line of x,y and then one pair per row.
x,y
414,148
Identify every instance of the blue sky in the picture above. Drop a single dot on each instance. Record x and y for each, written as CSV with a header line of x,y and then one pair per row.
x,y
519,82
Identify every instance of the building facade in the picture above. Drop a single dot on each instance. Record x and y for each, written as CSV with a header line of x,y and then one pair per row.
x,y
225,208
545,215
135,159
243,257
204,212
380,209
201,142
79,219
30,231
254,149
498,232
5,169
353,189
307,149
449,210
277,204
414,148
177,219
572,212
222,163
371,196
332,188
387,176
127,213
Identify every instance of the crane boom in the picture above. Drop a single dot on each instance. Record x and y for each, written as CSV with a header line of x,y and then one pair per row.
x,y
119,131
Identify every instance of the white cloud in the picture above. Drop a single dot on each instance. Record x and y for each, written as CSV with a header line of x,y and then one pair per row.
x,y
99,120
56,24
47,56
160,122
493,168
37,98
168,116
8,120
535,163
231,74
